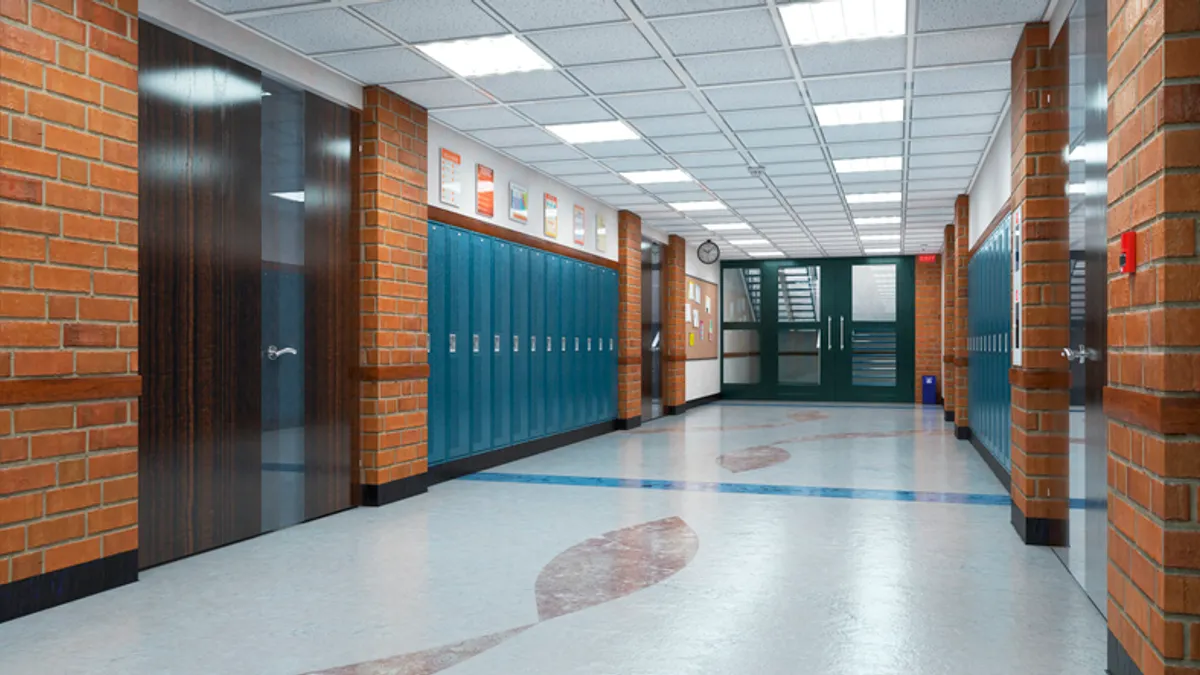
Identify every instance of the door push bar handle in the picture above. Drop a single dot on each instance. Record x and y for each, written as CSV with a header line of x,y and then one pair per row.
x,y
829,323
273,352
1081,355
842,321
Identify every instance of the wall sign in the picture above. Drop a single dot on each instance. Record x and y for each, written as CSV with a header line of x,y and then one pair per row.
x,y
550,218
601,233
451,176
579,225
518,203
485,191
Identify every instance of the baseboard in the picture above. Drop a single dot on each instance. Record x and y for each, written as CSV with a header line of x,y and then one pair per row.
x,y
1119,660
994,464
692,404
1040,531
628,424
24,597
949,416
382,495
467,465
962,433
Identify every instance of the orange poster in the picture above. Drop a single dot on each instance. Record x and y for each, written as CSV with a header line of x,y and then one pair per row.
x,y
485,191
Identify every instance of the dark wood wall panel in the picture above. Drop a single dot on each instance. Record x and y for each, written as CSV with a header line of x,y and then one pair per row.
x,y
331,309
200,295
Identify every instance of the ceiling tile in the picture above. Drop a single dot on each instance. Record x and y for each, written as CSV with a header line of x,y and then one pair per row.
x,y
768,118
567,167
693,143
968,46
229,6
775,137
745,97
434,94
665,7
531,86
798,169
957,184
728,171
397,64
831,200
859,56
875,186
799,153
924,146
857,88
945,159
619,149
639,163
950,14
616,78
809,191
751,203
324,30
942,172
593,44
851,133
726,31
431,20
872,149
593,180
950,126
730,68
675,125
614,191
567,111
962,79
703,159
535,14
949,105
543,153
803,179
734,183
852,180
648,105
692,195
517,136
491,117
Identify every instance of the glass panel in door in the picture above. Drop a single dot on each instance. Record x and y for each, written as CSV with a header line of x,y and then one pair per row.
x,y
802,330
872,332
741,314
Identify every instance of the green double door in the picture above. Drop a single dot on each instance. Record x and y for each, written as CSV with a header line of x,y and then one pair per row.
x,y
819,330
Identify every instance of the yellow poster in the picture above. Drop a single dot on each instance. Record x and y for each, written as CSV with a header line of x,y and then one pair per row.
x,y
691,339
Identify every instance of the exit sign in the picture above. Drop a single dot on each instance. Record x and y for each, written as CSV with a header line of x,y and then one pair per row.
x,y
927,258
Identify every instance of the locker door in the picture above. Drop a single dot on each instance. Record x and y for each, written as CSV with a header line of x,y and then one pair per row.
x,y
552,343
582,380
520,343
537,344
438,338
458,301
481,344
500,344
595,356
566,342
610,335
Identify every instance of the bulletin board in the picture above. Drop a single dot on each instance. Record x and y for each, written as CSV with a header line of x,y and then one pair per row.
x,y
701,326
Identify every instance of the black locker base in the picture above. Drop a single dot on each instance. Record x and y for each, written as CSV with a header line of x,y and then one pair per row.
x,y
24,597
629,424
381,495
994,464
692,405
488,460
949,416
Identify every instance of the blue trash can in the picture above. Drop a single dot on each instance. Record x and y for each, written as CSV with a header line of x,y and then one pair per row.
x,y
929,390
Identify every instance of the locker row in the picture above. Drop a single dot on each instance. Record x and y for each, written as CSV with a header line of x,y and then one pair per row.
x,y
522,344
989,398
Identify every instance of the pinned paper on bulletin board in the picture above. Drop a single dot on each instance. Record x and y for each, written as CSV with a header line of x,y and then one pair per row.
x,y
691,339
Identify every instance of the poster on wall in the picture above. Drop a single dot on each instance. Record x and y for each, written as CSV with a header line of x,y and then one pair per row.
x,y
451,174
579,225
551,215
485,191
518,203
601,233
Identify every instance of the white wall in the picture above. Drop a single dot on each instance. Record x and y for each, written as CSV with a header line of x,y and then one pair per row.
x,y
704,377
506,171
993,185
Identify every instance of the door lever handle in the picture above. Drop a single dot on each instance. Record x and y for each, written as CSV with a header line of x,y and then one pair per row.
x,y
1081,355
273,352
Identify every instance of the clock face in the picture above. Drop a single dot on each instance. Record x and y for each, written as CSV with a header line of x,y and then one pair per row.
x,y
709,252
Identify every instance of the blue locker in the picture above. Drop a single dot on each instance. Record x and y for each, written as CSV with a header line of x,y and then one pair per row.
x,y
567,386
481,343
553,341
610,330
500,344
520,343
582,377
438,258
595,357
537,344
458,432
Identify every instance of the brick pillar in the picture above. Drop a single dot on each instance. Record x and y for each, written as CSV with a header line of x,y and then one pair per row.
x,y
962,256
1153,396
392,229
950,302
68,301
629,321
928,321
1041,383
675,326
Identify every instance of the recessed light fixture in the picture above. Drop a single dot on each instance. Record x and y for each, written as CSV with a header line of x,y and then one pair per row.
x,y
725,227
593,132
664,176
486,56
764,254
758,241
809,23
873,198
868,164
290,196
697,206
879,237
880,251
864,112
881,220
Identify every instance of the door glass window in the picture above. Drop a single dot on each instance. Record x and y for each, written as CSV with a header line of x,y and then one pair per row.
x,y
874,293
743,295
742,356
799,295
800,356
873,326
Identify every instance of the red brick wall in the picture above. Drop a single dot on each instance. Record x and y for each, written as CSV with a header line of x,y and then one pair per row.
x,y
68,284
392,228
949,304
1153,394
674,327
629,315
962,256
928,322
1041,384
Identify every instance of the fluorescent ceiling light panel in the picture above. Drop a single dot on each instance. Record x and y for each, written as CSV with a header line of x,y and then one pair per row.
x,y
697,206
750,242
873,198
486,56
879,237
290,196
810,23
664,176
593,132
865,112
764,254
881,220
726,227
868,164
880,251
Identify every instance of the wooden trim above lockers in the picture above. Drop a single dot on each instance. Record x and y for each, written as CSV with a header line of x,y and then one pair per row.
x,y
466,222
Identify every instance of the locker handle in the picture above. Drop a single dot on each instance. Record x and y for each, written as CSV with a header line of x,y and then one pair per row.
x,y
564,344
475,343
589,344
576,344
842,321
533,343
516,343
453,343
496,343
610,344
549,344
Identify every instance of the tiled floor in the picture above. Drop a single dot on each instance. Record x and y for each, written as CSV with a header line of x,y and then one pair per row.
x,y
826,541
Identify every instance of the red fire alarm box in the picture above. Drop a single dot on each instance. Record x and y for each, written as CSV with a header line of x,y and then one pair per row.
x,y
1128,260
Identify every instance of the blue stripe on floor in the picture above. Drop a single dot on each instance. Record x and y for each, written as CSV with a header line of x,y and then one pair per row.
x,y
755,489
830,406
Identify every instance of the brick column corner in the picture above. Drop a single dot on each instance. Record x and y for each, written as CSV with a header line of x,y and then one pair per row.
x,y
949,327
1041,383
962,256
629,320
392,229
69,382
1152,400
928,321
674,326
